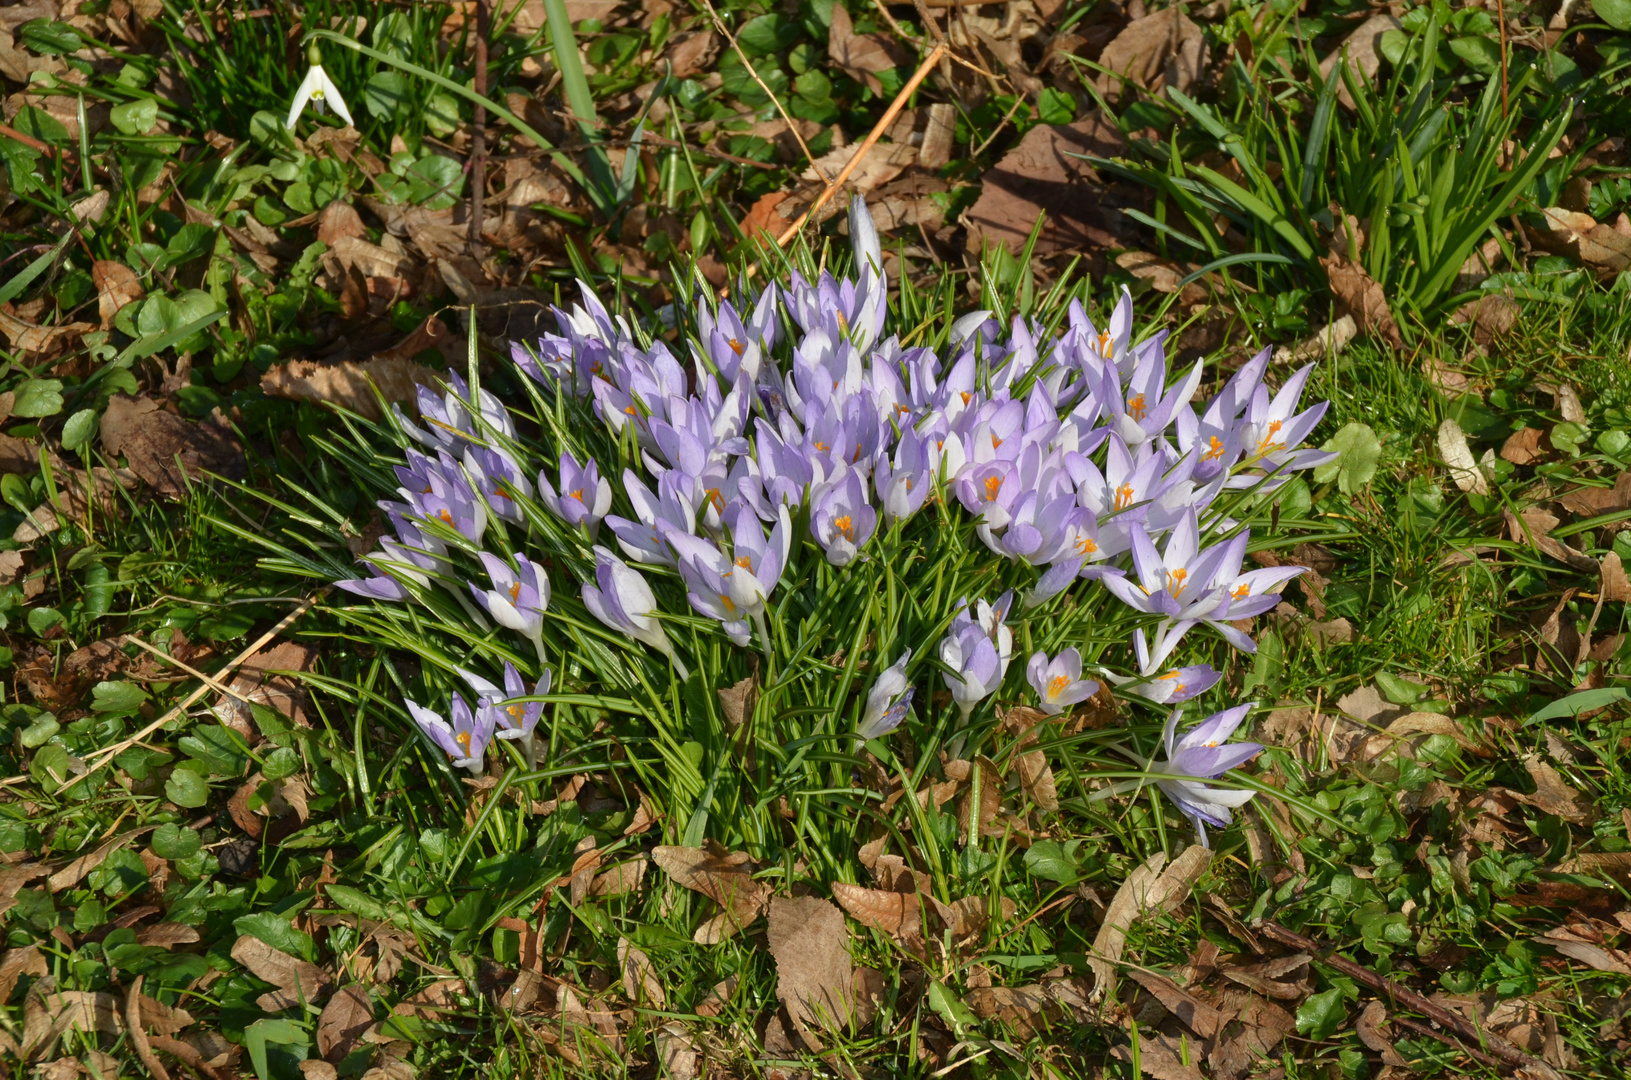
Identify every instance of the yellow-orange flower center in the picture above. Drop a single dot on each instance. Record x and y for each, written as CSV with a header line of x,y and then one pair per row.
x,y
1135,407
515,593
1057,685
993,484
1124,496
1216,450
845,526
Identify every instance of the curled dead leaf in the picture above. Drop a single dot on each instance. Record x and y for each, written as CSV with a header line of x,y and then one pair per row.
x,y
350,384
815,978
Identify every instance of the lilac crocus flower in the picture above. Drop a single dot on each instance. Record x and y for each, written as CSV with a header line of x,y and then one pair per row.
x,y
1201,755
1176,582
904,483
1173,687
499,479
972,655
882,714
621,599
584,495
465,740
671,509
516,719
1058,682
451,501
518,597
841,519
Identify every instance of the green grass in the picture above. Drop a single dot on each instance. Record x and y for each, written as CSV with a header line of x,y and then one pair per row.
x,y
1381,860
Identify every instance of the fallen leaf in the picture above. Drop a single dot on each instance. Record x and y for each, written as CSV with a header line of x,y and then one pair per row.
x,y
1616,585
1027,1009
1359,295
676,1053
1164,275
1553,795
116,285
1369,1029
719,997
1491,316
1257,1028
339,221
347,1015
75,872
1592,501
1523,447
938,133
47,1015
1359,49
1329,341
17,963
1452,447
862,56
885,162
1532,528
1042,177
40,343
1195,1014
1147,888
737,701
620,879
350,384
693,53
1594,954
815,979
297,981
1576,235
895,913
153,439
1268,977
1163,1057
640,983
318,1069
724,879
1162,49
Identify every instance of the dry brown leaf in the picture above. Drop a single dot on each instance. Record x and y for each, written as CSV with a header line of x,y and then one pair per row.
x,y
620,879
1491,316
1616,585
1415,724
718,997
17,963
40,343
1523,447
1532,528
1369,1029
883,164
737,701
1593,953
1599,248
116,286
1042,177
676,1053
344,1019
640,983
815,978
373,260
1553,795
1162,49
1027,1009
724,879
1359,295
862,56
895,913
47,1015
1360,50
693,53
1592,501
1329,341
1257,1029
75,872
297,980
351,384
318,1069
1148,888
1162,1057
153,439
1268,978
339,221
1195,1014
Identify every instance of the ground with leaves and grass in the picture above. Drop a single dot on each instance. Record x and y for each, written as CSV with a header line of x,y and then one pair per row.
x,y
225,852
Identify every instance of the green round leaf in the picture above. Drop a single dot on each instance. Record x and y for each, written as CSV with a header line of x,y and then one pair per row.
x,y
135,117
42,619
266,128
40,731
186,788
280,763
1321,1015
1478,53
1055,106
442,113
1358,450
50,767
78,430
38,397
435,181
1616,13
117,697
386,94
767,34
393,35
175,841
1392,45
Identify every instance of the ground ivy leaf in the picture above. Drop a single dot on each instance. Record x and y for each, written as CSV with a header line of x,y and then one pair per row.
x,y
186,788
1320,1015
117,697
1358,451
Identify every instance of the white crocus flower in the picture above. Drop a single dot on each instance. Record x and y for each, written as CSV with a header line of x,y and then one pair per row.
x,y
318,89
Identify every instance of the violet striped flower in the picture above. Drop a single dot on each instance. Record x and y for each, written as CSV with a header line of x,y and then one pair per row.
x,y
1201,755
464,740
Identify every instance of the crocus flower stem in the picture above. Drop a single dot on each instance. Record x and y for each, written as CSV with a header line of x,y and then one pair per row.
x,y
758,618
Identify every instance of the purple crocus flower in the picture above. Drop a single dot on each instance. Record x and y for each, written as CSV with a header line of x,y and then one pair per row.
x,y
451,501
1176,582
1058,682
499,479
465,740
1175,686
978,667
518,597
882,714
904,483
671,509
841,520
584,495
621,599
516,719
378,585
1201,754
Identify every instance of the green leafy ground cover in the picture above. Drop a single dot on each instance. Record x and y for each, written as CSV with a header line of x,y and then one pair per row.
x,y
291,884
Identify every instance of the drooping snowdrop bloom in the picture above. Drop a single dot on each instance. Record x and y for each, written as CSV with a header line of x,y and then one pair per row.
x,y
623,600
518,598
1202,755
1058,682
881,714
584,495
318,90
465,739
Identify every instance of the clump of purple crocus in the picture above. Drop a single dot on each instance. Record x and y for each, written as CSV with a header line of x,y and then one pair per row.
x,y
1202,754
